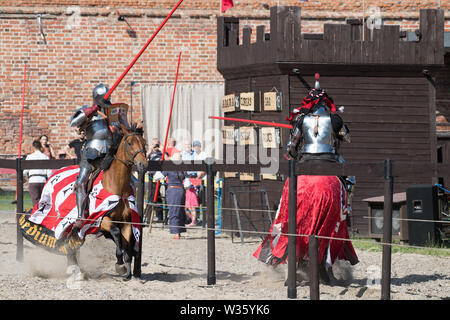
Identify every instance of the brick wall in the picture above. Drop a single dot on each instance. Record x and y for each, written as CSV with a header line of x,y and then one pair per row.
x,y
87,45
395,6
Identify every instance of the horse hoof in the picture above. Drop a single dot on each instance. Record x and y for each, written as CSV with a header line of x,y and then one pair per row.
x,y
79,276
73,269
121,269
127,278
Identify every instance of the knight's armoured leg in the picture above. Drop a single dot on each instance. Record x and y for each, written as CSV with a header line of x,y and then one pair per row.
x,y
80,184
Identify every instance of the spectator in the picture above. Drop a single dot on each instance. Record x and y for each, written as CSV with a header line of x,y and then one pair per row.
x,y
155,155
36,177
199,181
47,148
187,153
198,153
77,144
191,196
170,148
175,197
155,141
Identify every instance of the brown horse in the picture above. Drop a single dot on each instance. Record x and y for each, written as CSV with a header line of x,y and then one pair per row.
x,y
116,180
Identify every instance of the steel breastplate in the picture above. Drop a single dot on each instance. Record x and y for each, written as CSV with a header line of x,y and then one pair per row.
x,y
318,136
98,135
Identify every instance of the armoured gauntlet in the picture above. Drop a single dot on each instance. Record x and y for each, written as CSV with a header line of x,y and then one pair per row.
x,y
295,136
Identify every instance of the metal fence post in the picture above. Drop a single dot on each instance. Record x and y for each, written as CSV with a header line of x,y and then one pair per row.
x,y
19,208
313,252
387,231
211,234
292,229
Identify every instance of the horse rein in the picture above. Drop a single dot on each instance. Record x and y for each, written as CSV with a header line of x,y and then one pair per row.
x,y
128,162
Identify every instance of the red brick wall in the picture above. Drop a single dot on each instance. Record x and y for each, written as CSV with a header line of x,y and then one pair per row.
x,y
61,74
315,5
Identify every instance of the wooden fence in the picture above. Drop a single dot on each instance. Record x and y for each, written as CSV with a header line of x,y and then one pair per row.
x,y
387,171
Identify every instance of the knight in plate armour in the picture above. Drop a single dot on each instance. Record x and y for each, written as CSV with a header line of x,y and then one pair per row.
x,y
318,132
99,140
317,129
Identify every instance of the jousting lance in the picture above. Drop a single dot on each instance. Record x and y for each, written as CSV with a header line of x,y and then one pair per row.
x,y
168,125
142,51
263,123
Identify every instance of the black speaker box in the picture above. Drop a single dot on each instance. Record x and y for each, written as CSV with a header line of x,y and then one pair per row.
x,y
422,203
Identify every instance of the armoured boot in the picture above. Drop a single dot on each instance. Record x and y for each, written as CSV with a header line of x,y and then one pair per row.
x,y
80,193
81,198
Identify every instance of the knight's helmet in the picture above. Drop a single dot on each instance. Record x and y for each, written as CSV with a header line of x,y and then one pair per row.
x,y
98,95
319,137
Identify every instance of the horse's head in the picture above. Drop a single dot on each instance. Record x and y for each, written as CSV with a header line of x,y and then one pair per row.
x,y
133,147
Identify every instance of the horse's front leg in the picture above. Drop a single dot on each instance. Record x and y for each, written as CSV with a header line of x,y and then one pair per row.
x,y
72,259
137,266
72,266
114,231
127,248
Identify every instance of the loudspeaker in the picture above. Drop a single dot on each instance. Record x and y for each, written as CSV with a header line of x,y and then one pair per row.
x,y
399,223
422,203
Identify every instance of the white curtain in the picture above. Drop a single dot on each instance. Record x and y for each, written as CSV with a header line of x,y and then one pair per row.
x,y
193,104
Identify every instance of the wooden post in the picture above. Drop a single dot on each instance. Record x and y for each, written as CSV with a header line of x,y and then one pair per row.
x,y
313,252
292,229
150,191
140,207
211,234
387,231
19,209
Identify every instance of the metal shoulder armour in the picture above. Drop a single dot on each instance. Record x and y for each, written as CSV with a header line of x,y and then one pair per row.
x,y
78,118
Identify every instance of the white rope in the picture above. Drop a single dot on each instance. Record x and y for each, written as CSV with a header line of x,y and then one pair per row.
x,y
163,205
265,233
403,219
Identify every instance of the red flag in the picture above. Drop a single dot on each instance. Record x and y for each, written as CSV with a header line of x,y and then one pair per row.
x,y
227,4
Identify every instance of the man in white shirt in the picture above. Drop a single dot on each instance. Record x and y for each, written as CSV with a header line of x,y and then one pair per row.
x,y
36,177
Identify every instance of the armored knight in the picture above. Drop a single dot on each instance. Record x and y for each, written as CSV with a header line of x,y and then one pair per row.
x,y
98,141
317,129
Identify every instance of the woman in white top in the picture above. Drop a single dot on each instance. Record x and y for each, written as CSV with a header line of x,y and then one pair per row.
x,y
36,177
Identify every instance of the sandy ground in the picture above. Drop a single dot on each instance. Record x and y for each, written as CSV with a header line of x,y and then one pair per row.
x,y
177,270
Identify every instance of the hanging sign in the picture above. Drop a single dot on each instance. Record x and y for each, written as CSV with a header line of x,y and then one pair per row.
x,y
267,176
272,101
228,135
244,176
230,174
247,101
247,136
270,137
230,103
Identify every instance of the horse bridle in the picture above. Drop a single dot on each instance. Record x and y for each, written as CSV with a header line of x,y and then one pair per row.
x,y
128,162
